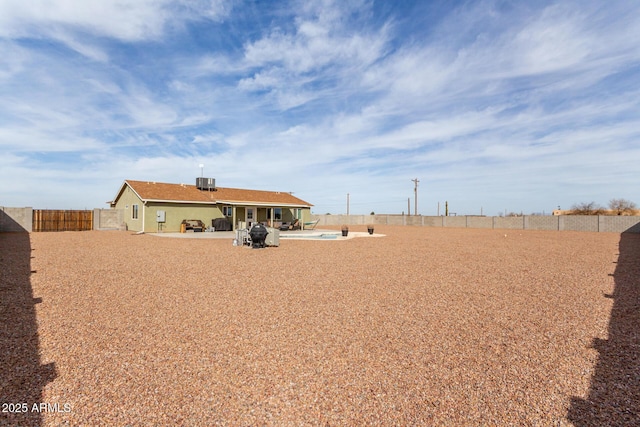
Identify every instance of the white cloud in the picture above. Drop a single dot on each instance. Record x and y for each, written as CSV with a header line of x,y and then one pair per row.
x,y
122,19
322,46
13,60
128,20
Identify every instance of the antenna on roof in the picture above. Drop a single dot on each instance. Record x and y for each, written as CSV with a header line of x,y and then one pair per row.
x,y
201,170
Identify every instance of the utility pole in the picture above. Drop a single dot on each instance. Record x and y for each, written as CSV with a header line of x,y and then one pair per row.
x,y
415,192
347,204
408,206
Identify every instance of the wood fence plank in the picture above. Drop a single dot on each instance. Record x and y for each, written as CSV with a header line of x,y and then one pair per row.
x,y
62,220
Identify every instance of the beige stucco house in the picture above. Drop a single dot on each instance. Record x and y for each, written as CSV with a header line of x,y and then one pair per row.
x,y
155,206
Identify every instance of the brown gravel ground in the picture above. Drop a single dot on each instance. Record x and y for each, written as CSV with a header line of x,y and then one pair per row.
x,y
426,326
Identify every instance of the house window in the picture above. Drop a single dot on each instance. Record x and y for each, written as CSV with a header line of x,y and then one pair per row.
x,y
277,214
298,213
227,211
134,212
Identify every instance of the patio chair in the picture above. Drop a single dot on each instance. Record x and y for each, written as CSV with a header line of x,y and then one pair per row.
x,y
311,225
286,226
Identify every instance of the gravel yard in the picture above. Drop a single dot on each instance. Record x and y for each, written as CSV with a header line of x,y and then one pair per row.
x,y
426,326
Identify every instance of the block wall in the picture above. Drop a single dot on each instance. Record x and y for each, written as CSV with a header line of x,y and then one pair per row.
x,y
602,223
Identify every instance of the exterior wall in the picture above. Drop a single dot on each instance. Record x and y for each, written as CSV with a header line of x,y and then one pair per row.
x,y
602,223
413,220
479,222
509,222
629,224
175,213
16,219
454,221
108,219
126,201
241,213
543,223
306,215
433,221
580,222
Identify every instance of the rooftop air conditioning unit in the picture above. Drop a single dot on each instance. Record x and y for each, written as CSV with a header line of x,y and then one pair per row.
x,y
207,184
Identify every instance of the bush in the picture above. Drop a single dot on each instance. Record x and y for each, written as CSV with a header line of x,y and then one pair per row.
x,y
622,206
591,208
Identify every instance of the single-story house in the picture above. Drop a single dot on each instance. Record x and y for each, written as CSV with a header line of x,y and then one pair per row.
x,y
155,206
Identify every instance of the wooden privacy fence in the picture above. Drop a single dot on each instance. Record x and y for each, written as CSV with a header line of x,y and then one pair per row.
x,y
54,220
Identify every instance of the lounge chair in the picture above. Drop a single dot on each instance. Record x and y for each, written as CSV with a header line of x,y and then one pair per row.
x,y
286,226
311,225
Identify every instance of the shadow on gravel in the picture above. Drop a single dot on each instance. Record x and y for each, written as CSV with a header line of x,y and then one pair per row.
x,y
614,396
22,377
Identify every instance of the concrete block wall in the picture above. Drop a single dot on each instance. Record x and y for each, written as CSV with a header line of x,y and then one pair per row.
x,y
108,219
509,222
630,224
479,222
580,223
602,223
454,221
542,222
395,219
16,219
432,221
413,220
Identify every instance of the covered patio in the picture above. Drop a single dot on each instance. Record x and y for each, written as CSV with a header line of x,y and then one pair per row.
x,y
283,218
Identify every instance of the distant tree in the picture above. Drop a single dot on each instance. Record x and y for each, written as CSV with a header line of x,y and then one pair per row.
x,y
622,206
591,208
373,213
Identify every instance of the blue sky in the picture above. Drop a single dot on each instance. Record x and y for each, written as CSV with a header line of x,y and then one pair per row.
x,y
492,105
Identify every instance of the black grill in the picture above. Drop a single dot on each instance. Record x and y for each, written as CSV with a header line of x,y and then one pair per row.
x,y
258,234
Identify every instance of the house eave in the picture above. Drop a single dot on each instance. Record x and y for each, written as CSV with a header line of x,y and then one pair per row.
x,y
192,202
250,203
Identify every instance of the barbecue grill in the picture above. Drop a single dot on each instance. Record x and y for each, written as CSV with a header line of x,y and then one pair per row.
x,y
258,234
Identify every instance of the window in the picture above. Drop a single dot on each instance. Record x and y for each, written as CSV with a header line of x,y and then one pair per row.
x,y
277,214
134,212
298,213
227,211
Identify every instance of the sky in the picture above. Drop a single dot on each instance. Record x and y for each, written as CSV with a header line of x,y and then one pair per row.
x,y
494,106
